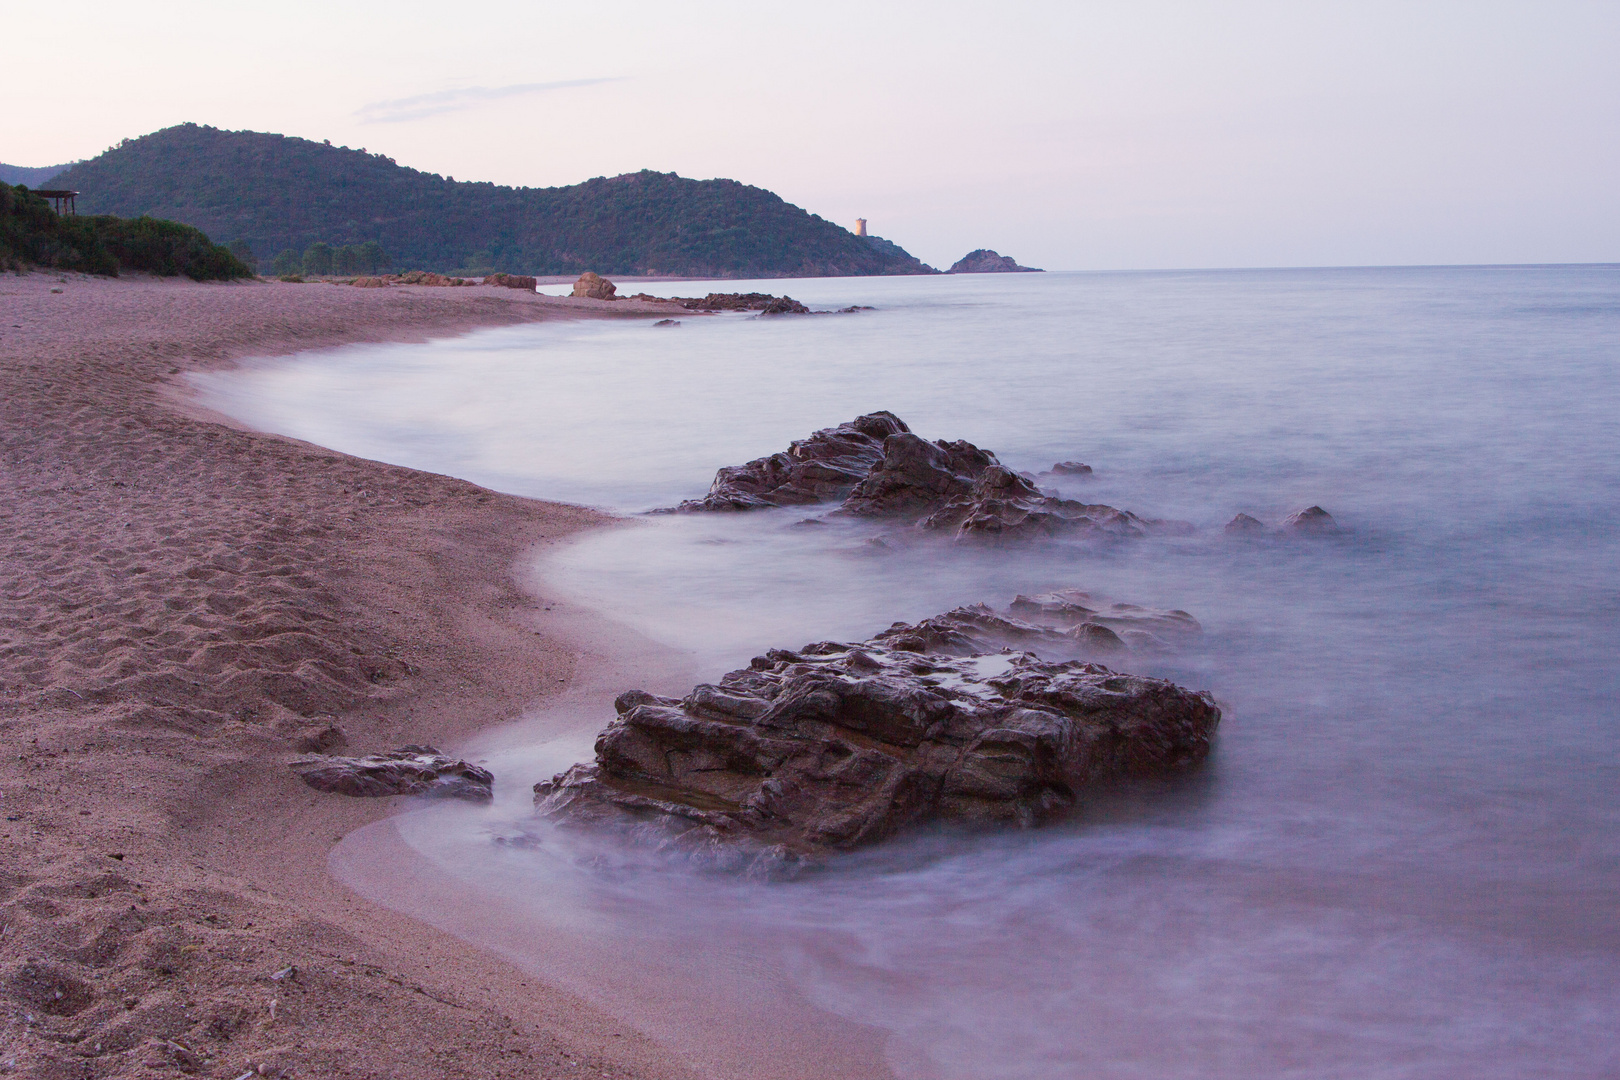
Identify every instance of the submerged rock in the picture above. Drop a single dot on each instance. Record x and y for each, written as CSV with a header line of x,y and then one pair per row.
x,y
1001,505
410,770
839,745
1069,468
1312,521
824,467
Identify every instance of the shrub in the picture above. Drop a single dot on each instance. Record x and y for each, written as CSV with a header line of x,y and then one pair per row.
x,y
31,233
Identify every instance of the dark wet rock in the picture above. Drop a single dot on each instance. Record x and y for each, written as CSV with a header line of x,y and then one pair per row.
x,y
1311,521
824,467
881,469
594,286
914,476
410,770
985,261
667,322
853,308
1001,505
1137,626
839,745
756,301
1069,468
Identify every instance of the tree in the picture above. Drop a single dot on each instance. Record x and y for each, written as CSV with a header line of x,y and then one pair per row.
x,y
286,263
318,259
344,260
244,252
371,256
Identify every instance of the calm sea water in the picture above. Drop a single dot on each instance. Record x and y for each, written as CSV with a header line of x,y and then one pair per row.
x,y
1403,859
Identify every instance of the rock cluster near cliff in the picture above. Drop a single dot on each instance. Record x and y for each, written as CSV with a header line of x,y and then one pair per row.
x,y
838,745
985,261
879,468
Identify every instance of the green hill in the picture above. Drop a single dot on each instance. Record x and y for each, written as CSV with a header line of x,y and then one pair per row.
x,y
278,193
23,174
33,234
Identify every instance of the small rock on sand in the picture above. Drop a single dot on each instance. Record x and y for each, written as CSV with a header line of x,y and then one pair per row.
x,y
410,770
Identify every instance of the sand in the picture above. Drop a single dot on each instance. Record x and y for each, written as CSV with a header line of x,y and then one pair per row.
x,y
184,607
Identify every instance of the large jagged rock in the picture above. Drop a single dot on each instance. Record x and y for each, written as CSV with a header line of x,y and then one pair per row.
x,y
914,476
824,467
839,745
881,469
410,770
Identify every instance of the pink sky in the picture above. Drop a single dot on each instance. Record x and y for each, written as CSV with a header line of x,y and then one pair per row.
x,y
1072,136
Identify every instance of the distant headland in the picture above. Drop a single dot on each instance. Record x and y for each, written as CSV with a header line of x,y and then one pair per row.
x,y
985,261
275,193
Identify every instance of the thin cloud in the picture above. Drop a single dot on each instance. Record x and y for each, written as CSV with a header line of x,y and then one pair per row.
x,y
415,108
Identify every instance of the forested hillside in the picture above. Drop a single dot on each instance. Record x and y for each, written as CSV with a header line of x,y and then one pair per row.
x,y
278,193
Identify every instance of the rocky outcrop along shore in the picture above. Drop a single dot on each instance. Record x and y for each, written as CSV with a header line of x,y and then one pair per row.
x,y
824,467
881,469
839,745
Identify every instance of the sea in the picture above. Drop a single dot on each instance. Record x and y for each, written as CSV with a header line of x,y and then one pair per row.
x,y
1402,859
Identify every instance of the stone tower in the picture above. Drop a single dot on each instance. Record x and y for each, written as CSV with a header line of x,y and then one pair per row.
x,y
860,226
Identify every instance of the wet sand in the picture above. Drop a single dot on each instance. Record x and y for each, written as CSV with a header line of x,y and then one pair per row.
x,y
186,605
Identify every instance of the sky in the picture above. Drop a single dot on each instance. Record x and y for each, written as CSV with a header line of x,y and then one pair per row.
x,y
1072,136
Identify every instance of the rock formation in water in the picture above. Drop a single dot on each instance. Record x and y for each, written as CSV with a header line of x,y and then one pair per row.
x,y
595,287
1069,468
764,303
985,261
824,467
410,770
1311,521
1001,505
881,469
914,476
839,745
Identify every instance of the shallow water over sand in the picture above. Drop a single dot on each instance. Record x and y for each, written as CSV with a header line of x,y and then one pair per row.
x,y
1402,860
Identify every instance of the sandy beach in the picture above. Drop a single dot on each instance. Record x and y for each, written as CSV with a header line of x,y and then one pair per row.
x,y
185,607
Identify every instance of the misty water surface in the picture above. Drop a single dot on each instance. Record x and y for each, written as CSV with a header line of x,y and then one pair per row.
x,y
1402,859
